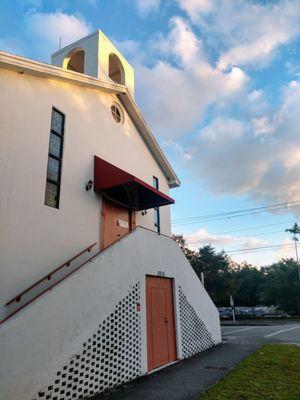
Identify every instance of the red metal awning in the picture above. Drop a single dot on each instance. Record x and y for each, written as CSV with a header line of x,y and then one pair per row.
x,y
126,189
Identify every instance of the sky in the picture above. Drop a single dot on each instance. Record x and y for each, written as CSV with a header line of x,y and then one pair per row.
x,y
219,83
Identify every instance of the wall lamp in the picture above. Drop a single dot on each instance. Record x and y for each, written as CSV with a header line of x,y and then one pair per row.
x,y
89,185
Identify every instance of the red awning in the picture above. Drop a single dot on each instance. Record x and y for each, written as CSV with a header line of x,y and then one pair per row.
x,y
126,189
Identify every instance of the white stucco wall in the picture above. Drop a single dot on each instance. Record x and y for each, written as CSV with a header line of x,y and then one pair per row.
x,y
35,238
37,342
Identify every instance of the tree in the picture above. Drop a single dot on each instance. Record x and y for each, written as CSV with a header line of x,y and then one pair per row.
x,y
282,286
295,230
191,255
276,284
249,284
218,274
216,268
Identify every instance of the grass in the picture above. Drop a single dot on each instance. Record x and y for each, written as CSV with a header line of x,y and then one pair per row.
x,y
272,373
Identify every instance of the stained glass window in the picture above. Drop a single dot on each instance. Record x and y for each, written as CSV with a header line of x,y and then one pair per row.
x,y
53,169
57,122
51,194
55,144
54,159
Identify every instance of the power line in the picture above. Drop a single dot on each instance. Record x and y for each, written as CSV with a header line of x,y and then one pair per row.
x,y
258,251
271,207
242,237
245,229
229,217
256,227
237,211
260,247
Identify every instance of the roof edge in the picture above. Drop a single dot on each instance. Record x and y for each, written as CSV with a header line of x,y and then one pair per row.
x,y
40,69
36,68
135,113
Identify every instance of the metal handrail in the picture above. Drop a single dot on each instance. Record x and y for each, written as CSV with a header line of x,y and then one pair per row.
x,y
49,276
74,270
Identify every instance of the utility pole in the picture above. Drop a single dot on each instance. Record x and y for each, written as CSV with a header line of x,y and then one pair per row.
x,y
202,278
295,230
232,308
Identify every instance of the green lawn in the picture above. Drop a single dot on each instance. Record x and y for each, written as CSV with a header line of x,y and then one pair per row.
x,y
272,373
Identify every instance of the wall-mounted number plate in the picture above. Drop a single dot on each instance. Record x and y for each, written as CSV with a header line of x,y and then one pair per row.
x,y
122,223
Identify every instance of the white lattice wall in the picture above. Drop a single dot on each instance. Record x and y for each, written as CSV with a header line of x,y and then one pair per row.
x,y
110,357
194,334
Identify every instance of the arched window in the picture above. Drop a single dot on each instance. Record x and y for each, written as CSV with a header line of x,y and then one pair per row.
x,y
116,70
75,60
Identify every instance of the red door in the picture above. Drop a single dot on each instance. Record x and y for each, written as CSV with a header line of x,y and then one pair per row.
x,y
117,221
160,322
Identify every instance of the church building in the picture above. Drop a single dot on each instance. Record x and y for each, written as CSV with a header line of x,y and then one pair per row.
x,y
94,292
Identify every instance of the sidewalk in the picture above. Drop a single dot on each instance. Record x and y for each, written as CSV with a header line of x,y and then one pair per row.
x,y
187,379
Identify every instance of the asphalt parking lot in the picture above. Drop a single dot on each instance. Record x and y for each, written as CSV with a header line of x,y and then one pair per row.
x,y
288,333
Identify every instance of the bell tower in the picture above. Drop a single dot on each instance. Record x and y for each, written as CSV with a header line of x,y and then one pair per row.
x,y
95,55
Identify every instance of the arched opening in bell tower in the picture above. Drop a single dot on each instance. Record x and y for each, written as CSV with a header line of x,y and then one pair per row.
x,y
75,60
115,69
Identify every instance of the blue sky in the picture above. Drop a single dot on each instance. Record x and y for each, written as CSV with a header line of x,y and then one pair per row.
x,y
219,83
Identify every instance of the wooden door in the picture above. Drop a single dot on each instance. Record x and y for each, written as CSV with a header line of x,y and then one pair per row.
x,y
161,339
117,221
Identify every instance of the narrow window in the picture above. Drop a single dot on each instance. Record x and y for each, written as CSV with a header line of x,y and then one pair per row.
x,y
156,209
55,159
155,183
157,219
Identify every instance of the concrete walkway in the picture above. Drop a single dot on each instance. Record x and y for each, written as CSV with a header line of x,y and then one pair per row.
x,y
187,379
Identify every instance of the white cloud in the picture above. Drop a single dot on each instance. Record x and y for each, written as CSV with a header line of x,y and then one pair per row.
x,y
174,96
256,102
194,8
146,6
133,51
47,28
233,159
181,42
248,32
287,251
179,151
293,68
237,244
202,237
262,125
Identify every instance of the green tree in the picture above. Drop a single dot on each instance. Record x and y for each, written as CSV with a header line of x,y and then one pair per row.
x,y
216,267
191,255
218,274
282,286
249,284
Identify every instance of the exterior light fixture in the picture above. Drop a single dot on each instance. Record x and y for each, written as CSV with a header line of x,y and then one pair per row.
x,y
144,212
89,185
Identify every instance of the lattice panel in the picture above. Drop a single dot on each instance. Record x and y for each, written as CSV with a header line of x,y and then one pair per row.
x,y
194,334
110,357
